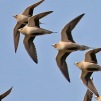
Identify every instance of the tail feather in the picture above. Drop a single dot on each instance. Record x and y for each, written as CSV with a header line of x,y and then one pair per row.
x,y
83,47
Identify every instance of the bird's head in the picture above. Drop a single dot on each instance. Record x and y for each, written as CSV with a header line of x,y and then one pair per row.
x,y
55,45
20,30
15,16
77,64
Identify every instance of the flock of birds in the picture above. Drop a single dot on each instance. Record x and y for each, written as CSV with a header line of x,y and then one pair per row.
x,y
29,25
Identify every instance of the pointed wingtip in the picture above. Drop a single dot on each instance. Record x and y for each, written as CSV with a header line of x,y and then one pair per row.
x,y
50,11
11,88
15,50
36,62
68,79
82,15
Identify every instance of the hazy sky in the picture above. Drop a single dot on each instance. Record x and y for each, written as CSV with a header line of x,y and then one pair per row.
x,y
44,81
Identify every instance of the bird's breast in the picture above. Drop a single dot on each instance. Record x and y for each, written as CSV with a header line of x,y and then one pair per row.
x,y
68,46
31,30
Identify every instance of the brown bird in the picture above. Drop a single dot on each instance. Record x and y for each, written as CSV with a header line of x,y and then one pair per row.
x,y
22,20
31,30
5,94
88,66
67,45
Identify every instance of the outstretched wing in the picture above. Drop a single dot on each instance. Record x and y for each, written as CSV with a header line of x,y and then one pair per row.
x,y
60,59
30,47
66,31
88,96
90,55
85,77
34,20
29,10
16,34
5,94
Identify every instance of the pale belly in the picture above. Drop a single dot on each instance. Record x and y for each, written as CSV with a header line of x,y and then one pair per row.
x,y
90,67
68,46
30,30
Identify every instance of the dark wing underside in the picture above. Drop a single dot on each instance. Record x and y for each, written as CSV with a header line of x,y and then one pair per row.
x,y
16,34
30,47
34,20
5,94
60,59
88,96
85,77
66,31
90,55
29,10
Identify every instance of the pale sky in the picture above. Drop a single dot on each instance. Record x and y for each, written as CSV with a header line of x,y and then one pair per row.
x,y
44,81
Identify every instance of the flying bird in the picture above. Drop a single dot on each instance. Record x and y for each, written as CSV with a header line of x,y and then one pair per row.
x,y
22,20
31,30
67,45
88,66
5,94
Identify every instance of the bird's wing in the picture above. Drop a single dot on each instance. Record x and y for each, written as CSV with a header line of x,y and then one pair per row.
x,y
90,55
29,10
16,35
60,59
30,47
34,20
85,77
66,31
5,94
88,96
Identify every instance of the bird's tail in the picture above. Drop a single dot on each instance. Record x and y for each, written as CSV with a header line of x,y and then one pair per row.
x,y
83,47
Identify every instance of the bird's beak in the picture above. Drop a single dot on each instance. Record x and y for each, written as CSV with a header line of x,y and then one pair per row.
x,y
14,16
75,63
53,45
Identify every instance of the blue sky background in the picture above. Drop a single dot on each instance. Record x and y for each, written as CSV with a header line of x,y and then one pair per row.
x,y
44,81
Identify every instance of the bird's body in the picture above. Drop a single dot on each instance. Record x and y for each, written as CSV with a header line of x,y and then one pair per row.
x,y
28,30
88,66
22,19
70,46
